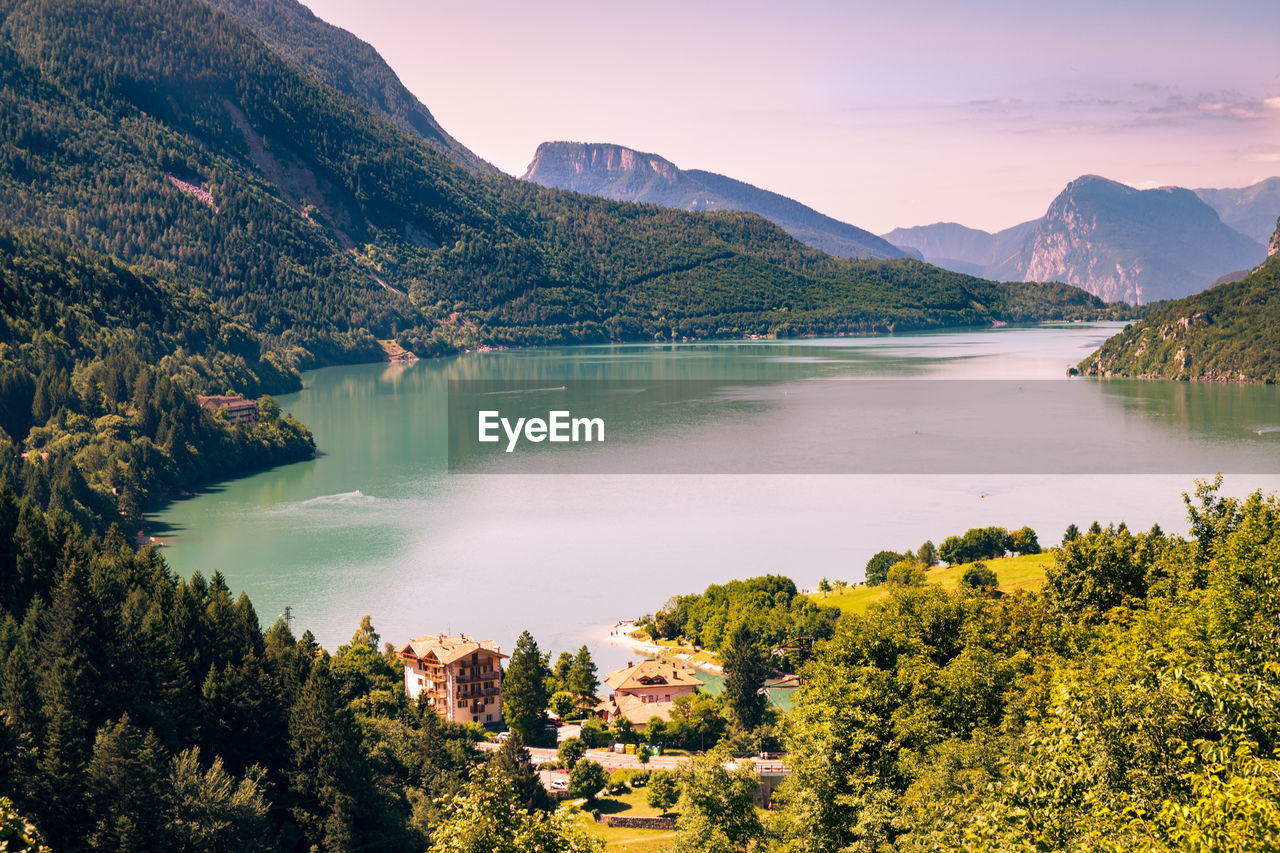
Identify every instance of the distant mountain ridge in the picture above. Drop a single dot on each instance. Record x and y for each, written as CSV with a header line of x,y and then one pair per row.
x,y
624,174
956,247
1115,241
1251,210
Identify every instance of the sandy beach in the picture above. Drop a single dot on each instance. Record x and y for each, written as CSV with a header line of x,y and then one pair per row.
x,y
620,634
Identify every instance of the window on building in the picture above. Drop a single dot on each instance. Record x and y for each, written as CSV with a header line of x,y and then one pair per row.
x,y
462,703
420,681
488,718
475,718
488,700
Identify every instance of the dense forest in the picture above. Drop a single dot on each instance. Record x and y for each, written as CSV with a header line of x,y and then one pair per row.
x,y
165,133
142,712
1230,332
100,364
1133,703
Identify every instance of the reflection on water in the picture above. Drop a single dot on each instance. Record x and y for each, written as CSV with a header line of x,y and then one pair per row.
x,y
377,524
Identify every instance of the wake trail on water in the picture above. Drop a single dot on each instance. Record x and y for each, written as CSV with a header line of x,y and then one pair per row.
x,y
338,501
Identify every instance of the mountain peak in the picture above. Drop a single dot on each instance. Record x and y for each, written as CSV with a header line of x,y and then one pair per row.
x,y
584,157
625,174
1119,242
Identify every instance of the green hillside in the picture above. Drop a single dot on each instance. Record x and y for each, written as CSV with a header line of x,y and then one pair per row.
x,y
99,367
310,218
337,58
1014,574
1230,332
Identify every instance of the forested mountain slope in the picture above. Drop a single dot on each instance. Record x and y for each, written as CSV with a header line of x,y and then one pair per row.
x,y
337,58
1230,332
100,364
167,134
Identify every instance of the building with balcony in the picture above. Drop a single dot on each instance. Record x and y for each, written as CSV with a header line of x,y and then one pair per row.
x,y
460,677
237,410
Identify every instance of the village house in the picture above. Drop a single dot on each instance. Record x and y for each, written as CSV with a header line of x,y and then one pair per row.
x,y
238,409
647,689
460,677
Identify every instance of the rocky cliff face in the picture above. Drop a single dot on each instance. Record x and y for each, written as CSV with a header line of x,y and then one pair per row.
x,y
558,160
1120,243
1274,246
623,174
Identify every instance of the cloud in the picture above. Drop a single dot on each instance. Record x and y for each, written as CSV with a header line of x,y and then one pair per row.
x,y
1230,106
995,103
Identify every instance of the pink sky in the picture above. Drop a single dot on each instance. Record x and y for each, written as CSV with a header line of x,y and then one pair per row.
x,y
921,112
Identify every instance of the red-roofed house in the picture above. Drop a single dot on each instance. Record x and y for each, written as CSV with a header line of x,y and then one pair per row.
x,y
238,409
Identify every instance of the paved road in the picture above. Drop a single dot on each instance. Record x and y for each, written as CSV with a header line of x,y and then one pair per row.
x,y
603,757
615,761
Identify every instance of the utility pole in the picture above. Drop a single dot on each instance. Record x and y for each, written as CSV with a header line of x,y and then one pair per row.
x,y
288,617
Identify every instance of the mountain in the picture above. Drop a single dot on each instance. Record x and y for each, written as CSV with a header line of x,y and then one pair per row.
x,y
1230,332
1250,210
1115,241
337,58
956,247
622,174
1121,243
167,134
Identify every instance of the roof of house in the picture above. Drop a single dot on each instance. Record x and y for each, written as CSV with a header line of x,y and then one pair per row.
x,y
447,649
652,674
635,709
226,402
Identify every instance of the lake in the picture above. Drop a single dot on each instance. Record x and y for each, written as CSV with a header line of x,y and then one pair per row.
x,y
724,460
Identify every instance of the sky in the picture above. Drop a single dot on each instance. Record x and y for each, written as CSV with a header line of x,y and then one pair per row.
x,y
879,114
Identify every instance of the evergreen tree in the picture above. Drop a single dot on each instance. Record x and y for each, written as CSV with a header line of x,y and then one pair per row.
x,y
745,669
513,761
582,675
124,789
524,690
327,776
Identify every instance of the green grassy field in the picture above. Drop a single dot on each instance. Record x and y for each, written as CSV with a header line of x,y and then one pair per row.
x,y
1014,573
630,804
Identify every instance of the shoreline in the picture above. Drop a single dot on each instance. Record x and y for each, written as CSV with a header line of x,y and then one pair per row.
x,y
619,634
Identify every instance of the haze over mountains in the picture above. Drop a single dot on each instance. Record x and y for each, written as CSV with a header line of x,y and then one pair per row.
x,y
1115,241
960,248
623,174
1251,210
